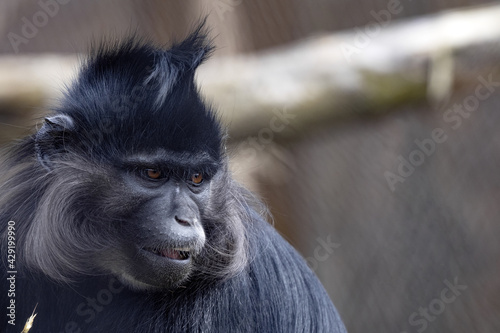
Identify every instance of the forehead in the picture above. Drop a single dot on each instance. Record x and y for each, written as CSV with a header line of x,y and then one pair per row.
x,y
168,157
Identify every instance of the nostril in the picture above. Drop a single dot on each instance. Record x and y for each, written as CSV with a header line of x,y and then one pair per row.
x,y
182,221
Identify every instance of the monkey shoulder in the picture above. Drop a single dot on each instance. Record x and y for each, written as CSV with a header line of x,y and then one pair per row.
x,y
285,293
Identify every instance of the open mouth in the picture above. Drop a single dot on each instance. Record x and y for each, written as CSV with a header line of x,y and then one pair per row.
x,y
174,254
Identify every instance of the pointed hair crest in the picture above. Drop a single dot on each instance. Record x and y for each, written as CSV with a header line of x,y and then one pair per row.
x,y
158,67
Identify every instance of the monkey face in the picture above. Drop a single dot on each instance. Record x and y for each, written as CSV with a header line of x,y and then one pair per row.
x,y
162,227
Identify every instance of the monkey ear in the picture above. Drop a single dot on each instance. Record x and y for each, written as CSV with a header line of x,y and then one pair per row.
x,y
51,138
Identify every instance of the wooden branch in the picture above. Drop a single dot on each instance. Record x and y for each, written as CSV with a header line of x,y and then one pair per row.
x,y
372,69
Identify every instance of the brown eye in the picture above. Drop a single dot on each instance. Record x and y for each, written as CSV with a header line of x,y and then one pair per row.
x,y
153,173
197,178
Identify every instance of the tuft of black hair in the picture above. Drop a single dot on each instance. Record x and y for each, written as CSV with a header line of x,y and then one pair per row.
x,y
126,88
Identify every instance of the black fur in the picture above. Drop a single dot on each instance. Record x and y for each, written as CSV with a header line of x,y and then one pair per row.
x,y
83,213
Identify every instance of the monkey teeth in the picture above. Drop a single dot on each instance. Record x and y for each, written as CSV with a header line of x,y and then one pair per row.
x,y
176,254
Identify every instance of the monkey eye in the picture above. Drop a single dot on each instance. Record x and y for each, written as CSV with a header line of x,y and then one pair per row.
x,y
153,174
197,178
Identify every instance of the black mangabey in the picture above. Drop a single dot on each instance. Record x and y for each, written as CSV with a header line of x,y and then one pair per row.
x,y
126,219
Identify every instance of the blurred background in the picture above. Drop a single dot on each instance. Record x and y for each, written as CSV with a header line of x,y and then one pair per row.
x,y
369,127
